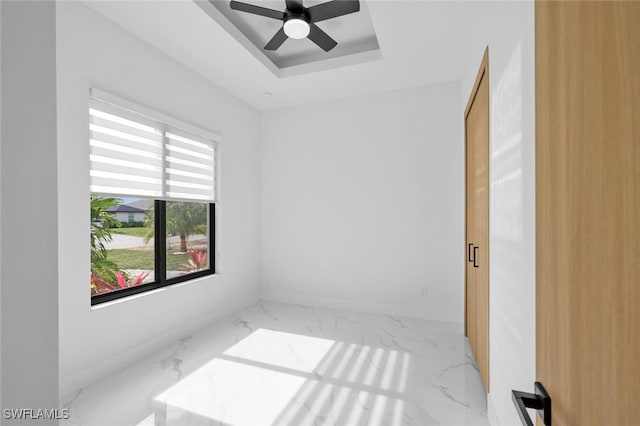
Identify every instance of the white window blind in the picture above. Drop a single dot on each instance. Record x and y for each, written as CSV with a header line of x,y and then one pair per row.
x,y
132,154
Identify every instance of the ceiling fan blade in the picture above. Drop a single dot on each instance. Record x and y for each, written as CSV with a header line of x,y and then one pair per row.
x,y
321,38
277,40
257,10
294,5
332,9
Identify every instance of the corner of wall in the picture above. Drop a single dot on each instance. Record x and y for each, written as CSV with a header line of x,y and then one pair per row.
x,y
491,411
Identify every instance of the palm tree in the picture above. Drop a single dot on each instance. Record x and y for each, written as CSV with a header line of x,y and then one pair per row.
x,y
182,218
101,223
186,219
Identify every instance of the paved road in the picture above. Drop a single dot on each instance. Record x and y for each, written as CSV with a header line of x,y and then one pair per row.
x,y
120,241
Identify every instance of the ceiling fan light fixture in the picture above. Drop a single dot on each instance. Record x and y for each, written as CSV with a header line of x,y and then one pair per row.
x,y
296,28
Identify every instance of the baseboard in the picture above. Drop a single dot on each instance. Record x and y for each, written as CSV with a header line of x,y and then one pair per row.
x,y
491,412
72,383
412,311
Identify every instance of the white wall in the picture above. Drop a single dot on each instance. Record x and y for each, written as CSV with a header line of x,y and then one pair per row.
x,y
93,52
362,203
29,264
508,30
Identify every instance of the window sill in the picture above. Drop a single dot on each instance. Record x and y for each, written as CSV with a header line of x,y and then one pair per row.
x,y
151,292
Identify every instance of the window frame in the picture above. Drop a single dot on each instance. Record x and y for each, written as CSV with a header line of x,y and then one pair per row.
x,y
160,258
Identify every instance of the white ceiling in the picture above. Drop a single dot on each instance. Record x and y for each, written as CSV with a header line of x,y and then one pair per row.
x,y
421,42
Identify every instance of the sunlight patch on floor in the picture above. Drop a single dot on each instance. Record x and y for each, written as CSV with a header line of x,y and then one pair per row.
x,y
273,377
294,351
234,393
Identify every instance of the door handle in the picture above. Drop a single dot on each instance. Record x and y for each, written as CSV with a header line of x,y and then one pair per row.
x,y
540,400
475,256
469,259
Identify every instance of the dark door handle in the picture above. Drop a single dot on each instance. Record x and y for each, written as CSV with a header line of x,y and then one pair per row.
x,y
469,259
539,400
475,256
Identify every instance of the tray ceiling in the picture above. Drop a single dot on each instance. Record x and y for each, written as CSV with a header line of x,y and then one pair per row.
x,y
355,34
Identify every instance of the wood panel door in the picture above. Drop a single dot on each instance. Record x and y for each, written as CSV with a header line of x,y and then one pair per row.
x,y
477,220
470,270
588,210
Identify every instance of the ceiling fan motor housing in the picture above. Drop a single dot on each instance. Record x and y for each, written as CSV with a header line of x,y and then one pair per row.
x,y
297,14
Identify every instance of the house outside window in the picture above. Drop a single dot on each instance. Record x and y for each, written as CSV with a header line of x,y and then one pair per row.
x,y
153,199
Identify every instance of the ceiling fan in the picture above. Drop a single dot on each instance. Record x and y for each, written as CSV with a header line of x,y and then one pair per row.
x,y
300,22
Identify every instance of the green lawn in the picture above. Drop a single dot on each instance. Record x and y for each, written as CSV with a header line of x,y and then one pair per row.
x,y
134,232
143,259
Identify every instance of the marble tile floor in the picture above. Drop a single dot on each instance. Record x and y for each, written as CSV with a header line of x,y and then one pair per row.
x,y
282,364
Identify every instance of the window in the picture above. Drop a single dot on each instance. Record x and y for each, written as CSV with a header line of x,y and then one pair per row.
x,y
153,195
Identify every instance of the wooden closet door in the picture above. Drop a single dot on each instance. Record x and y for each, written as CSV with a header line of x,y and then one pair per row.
x,y
477,220
481,206
470,271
